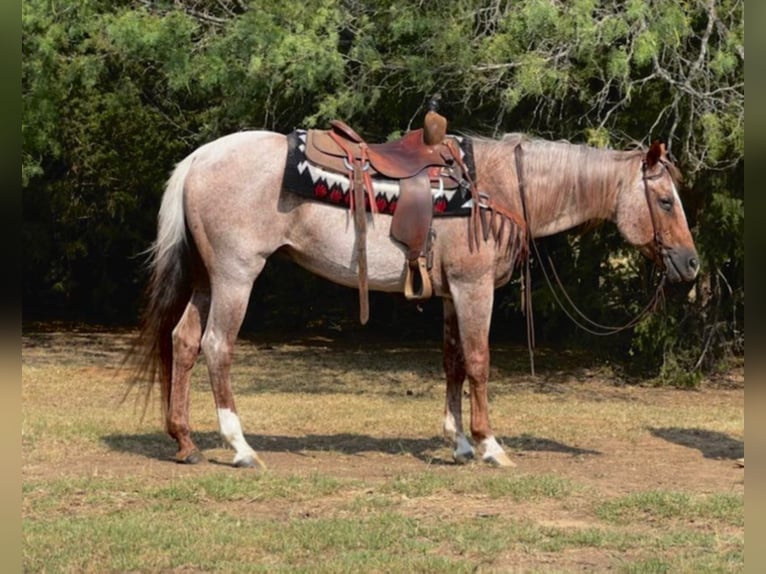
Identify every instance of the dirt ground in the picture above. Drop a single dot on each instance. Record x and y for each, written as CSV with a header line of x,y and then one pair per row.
x,y
696,459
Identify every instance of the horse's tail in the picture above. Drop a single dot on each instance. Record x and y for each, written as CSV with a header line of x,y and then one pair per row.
x,y
169,290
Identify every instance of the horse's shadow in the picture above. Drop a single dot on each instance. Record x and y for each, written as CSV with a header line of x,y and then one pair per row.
x,y
431,450
712,444
530,443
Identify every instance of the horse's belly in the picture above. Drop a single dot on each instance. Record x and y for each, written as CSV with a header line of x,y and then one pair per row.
x,y
323,241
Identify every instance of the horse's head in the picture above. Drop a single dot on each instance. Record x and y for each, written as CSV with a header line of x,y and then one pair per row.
x,y
650,216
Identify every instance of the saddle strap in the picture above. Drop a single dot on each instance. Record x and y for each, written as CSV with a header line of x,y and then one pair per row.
x,y
358,180
362,166
360,225
346,130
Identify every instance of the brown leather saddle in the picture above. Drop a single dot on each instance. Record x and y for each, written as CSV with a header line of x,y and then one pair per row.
x,y
399,159
415,164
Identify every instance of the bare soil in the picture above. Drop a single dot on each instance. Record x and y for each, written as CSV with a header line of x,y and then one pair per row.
x,y
697,459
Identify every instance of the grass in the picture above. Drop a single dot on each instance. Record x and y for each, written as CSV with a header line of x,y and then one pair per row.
x,y
668,505
119,525
358,479
228,488
516,487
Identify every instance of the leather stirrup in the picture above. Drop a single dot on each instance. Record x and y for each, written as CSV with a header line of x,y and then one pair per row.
x,y
426,289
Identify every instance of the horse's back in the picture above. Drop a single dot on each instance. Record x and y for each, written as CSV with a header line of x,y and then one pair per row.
x,y
245,150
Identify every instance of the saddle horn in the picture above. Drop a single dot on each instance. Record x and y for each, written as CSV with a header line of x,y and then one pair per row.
x,y
434,124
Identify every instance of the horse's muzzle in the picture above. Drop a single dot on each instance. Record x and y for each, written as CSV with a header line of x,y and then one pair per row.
x,y
680,264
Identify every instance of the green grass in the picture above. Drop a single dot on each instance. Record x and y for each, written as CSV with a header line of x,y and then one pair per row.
x,y
237,538
697,563
159,540
517,487
243,522
728,509
233,488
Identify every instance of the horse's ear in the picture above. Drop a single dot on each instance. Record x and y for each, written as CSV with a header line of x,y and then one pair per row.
x,y
656,151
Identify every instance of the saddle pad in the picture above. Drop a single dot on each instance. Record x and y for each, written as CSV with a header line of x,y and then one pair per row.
x,y
305,178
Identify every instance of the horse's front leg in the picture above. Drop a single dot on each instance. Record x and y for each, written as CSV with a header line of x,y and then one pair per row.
x,y
473,309
454,368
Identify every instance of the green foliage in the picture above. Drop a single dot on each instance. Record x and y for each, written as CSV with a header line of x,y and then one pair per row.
x,y
95,153
724,218
115,93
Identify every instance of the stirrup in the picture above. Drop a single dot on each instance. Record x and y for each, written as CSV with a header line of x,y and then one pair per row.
x,y
426,290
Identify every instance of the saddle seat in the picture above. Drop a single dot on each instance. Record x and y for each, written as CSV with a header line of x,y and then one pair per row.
x,y
397,159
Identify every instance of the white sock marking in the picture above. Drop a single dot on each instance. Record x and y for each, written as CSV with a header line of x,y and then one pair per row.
x,y
231,429
491,447
450,428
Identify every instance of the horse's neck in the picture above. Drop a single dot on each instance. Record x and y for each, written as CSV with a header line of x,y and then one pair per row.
x,y
545,221
564,184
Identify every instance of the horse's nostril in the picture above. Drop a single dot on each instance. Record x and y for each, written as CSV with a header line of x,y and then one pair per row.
x,y
693,263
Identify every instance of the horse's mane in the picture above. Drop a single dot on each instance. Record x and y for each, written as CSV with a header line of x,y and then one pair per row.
x,y
557,173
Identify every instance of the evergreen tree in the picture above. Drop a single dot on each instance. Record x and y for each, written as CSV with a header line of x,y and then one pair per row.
x,y
114,93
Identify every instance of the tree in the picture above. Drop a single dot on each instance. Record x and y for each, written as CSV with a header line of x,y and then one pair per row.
x,y
116,92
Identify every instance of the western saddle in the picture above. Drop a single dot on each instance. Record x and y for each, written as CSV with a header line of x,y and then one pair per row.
x,y
417,159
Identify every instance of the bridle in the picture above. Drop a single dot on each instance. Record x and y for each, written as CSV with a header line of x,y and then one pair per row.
x,y
575,314
659,247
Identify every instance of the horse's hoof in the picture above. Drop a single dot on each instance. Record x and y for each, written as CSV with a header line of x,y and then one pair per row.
x,y
463,457
194,457
252,461
499,459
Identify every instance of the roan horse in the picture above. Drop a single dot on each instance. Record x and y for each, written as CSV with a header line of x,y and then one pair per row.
x,y
224,212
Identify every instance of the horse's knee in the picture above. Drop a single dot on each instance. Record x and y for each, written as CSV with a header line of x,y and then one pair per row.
x,y
454,368
476,363
477,372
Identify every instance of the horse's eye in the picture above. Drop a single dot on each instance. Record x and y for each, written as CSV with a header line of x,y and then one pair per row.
x,y
666,203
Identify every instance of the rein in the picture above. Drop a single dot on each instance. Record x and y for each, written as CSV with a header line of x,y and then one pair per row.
x,y
584,322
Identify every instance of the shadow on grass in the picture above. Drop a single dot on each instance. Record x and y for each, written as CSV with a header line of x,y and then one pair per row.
x,y
712,444
320,361
161,447
328,367
75,347
531,443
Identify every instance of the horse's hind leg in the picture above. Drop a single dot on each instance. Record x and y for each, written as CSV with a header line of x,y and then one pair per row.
x,y
227,310
186,348
454,368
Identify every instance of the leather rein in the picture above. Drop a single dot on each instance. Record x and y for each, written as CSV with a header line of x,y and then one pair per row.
x,y
575,314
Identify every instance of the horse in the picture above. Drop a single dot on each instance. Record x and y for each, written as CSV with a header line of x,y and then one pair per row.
x,y
225,211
